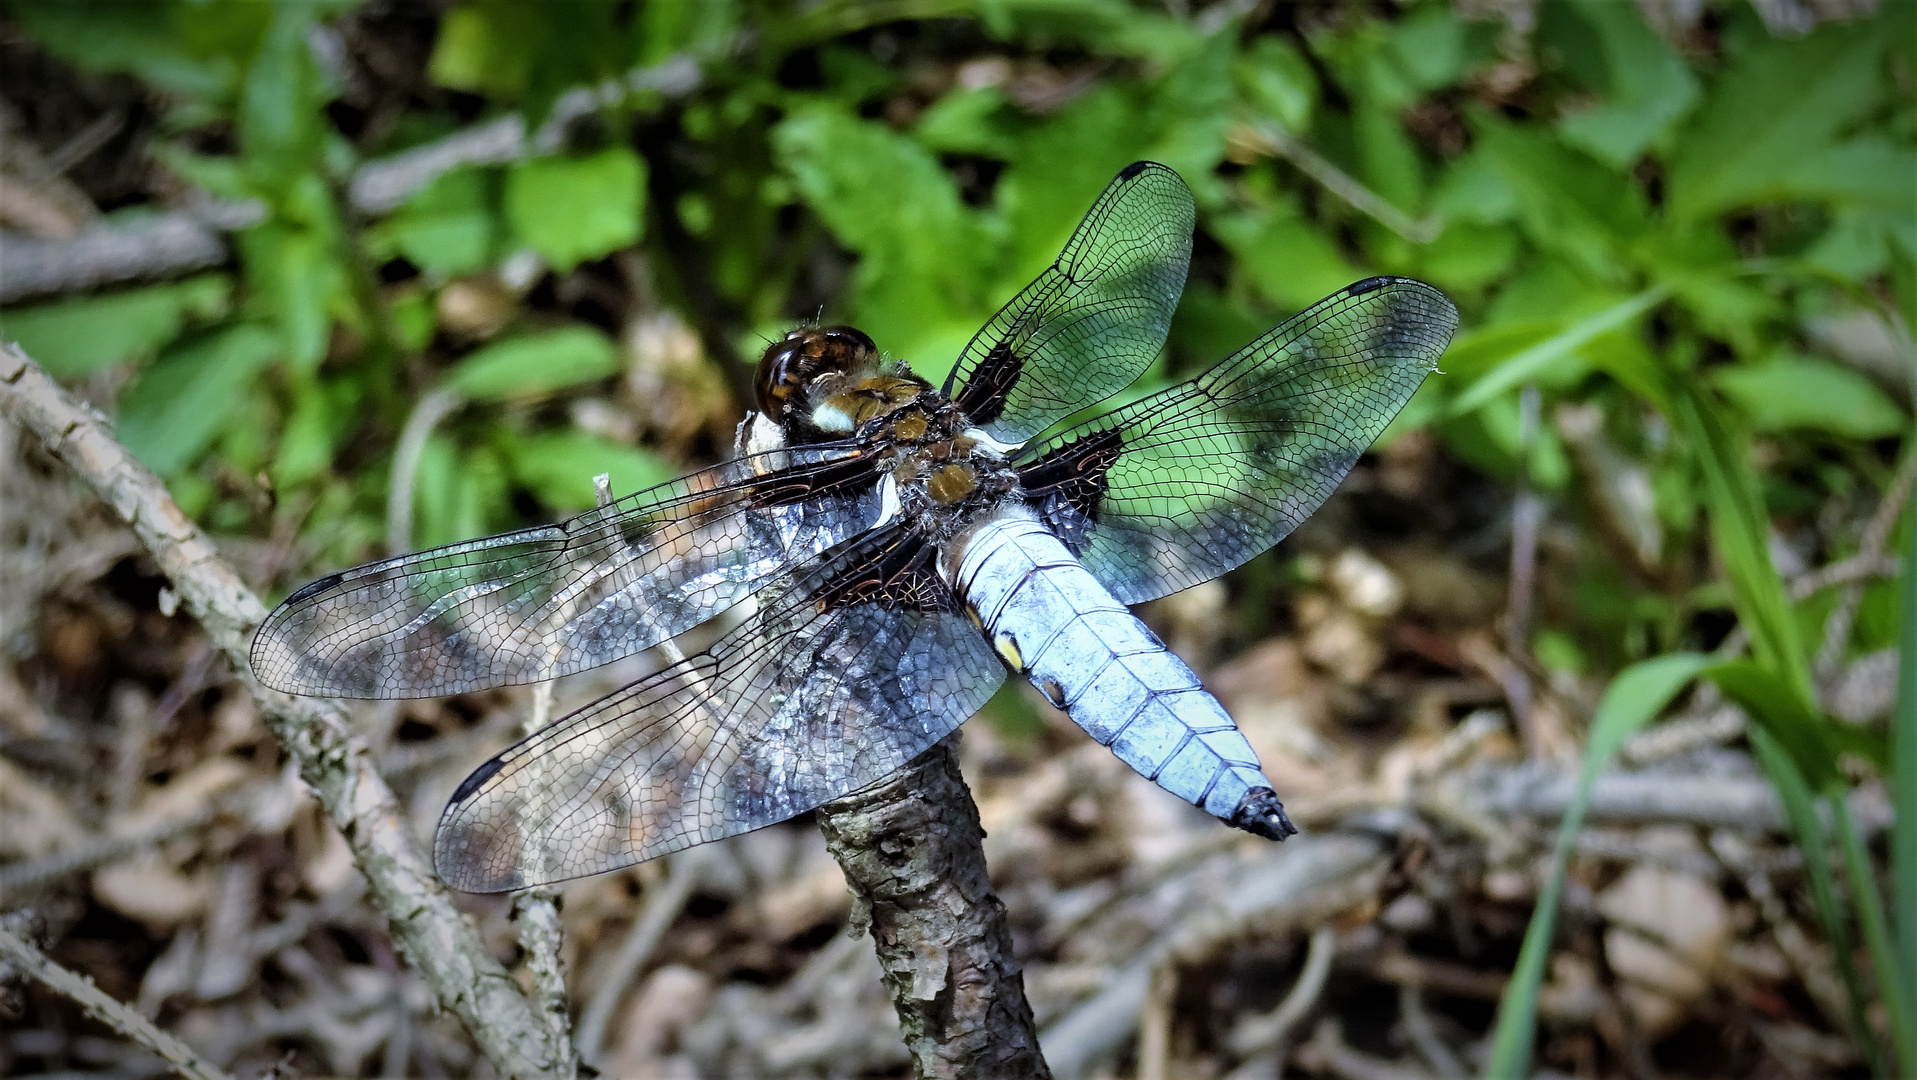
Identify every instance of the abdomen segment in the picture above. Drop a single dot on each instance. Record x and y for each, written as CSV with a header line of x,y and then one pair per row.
x,y
1050,619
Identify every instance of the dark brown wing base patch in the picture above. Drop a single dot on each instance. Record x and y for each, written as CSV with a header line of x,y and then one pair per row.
x,y
1066,486
902,575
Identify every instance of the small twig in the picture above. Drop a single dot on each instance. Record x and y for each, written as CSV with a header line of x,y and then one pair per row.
x,y
911,848
1424,1038
1269,1032
420,423
1870,549
22,876
1154,1025
185,1060
1327,1053
1281,143
663,903
316,733
1527,514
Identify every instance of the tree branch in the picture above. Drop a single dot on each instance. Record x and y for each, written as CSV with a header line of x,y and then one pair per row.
x,y
19,953
175,243
432,934
911,848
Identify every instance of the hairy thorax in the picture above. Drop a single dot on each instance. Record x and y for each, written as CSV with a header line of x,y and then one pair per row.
x,y
820,384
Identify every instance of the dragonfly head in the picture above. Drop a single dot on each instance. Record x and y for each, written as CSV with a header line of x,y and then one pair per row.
x,y
793,364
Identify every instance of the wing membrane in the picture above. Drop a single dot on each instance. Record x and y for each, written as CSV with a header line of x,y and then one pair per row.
x,y
1091,323
544,602
1180,487
813,697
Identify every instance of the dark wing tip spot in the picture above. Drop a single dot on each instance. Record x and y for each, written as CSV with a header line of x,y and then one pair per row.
x,y
1370,284
313,588
471,783
1134,169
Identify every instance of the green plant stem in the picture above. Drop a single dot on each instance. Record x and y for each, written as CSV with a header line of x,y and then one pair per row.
x,y
1870,919
1802,815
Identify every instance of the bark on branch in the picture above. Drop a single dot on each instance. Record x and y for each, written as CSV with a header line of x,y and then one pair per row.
x,y
912,851
432,934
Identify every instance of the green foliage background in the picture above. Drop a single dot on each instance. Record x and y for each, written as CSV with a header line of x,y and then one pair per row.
x,y
1652,224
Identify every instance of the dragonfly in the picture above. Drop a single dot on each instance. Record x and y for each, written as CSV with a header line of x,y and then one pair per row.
x,y
897,549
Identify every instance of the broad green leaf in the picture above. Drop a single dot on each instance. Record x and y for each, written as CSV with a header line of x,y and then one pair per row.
x,y
923,255
1633,699
570,209
969,122
534,364
1529,364
176,408
559,467
1645,83
1777,107
1588,214
145,39
77,337
300,282
322,415
447,228
1284,255
1276,80
280,122
1431,46
1801,393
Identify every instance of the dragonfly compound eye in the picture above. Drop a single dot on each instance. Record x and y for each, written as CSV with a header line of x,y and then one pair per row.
x,y
792,362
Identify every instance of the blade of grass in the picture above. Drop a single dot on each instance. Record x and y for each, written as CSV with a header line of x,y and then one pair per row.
x,y
1903,792
1870,918
1527,365
1802,815
1740,531
1636,696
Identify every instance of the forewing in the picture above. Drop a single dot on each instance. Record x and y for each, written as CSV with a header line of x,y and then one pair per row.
x,y
540,603
818,694
1182,486
1091,323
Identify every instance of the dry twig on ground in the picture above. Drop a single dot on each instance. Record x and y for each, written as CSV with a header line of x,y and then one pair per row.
x,y
333,760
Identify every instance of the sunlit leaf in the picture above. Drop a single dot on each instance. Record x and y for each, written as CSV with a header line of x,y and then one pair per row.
x,y
570,209
82,335
559,467
534,364
1789,393
1645,83
176,408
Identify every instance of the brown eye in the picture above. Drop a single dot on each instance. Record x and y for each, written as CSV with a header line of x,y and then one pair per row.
x,y
803,355
782,371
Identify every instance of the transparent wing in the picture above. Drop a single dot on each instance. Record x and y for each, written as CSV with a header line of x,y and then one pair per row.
x,y
544,602
823,691
1181,486
1091,323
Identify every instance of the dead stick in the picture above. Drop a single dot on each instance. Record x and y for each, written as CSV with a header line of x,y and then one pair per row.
x,y
913,853
19,953
333,760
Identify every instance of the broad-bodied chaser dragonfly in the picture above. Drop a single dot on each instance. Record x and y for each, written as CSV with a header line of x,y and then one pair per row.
x,y
903,547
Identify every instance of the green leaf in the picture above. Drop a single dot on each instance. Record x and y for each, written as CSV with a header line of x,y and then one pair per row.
x,y
1776,108
77,337
570,209
1276,80
1567,203
1903,788
534,364
300,282
280,122
176,408
1789,393
1740,533
1284,255
1645,83
922,253
559,467
446,229
1633,699
1529,364
969,122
